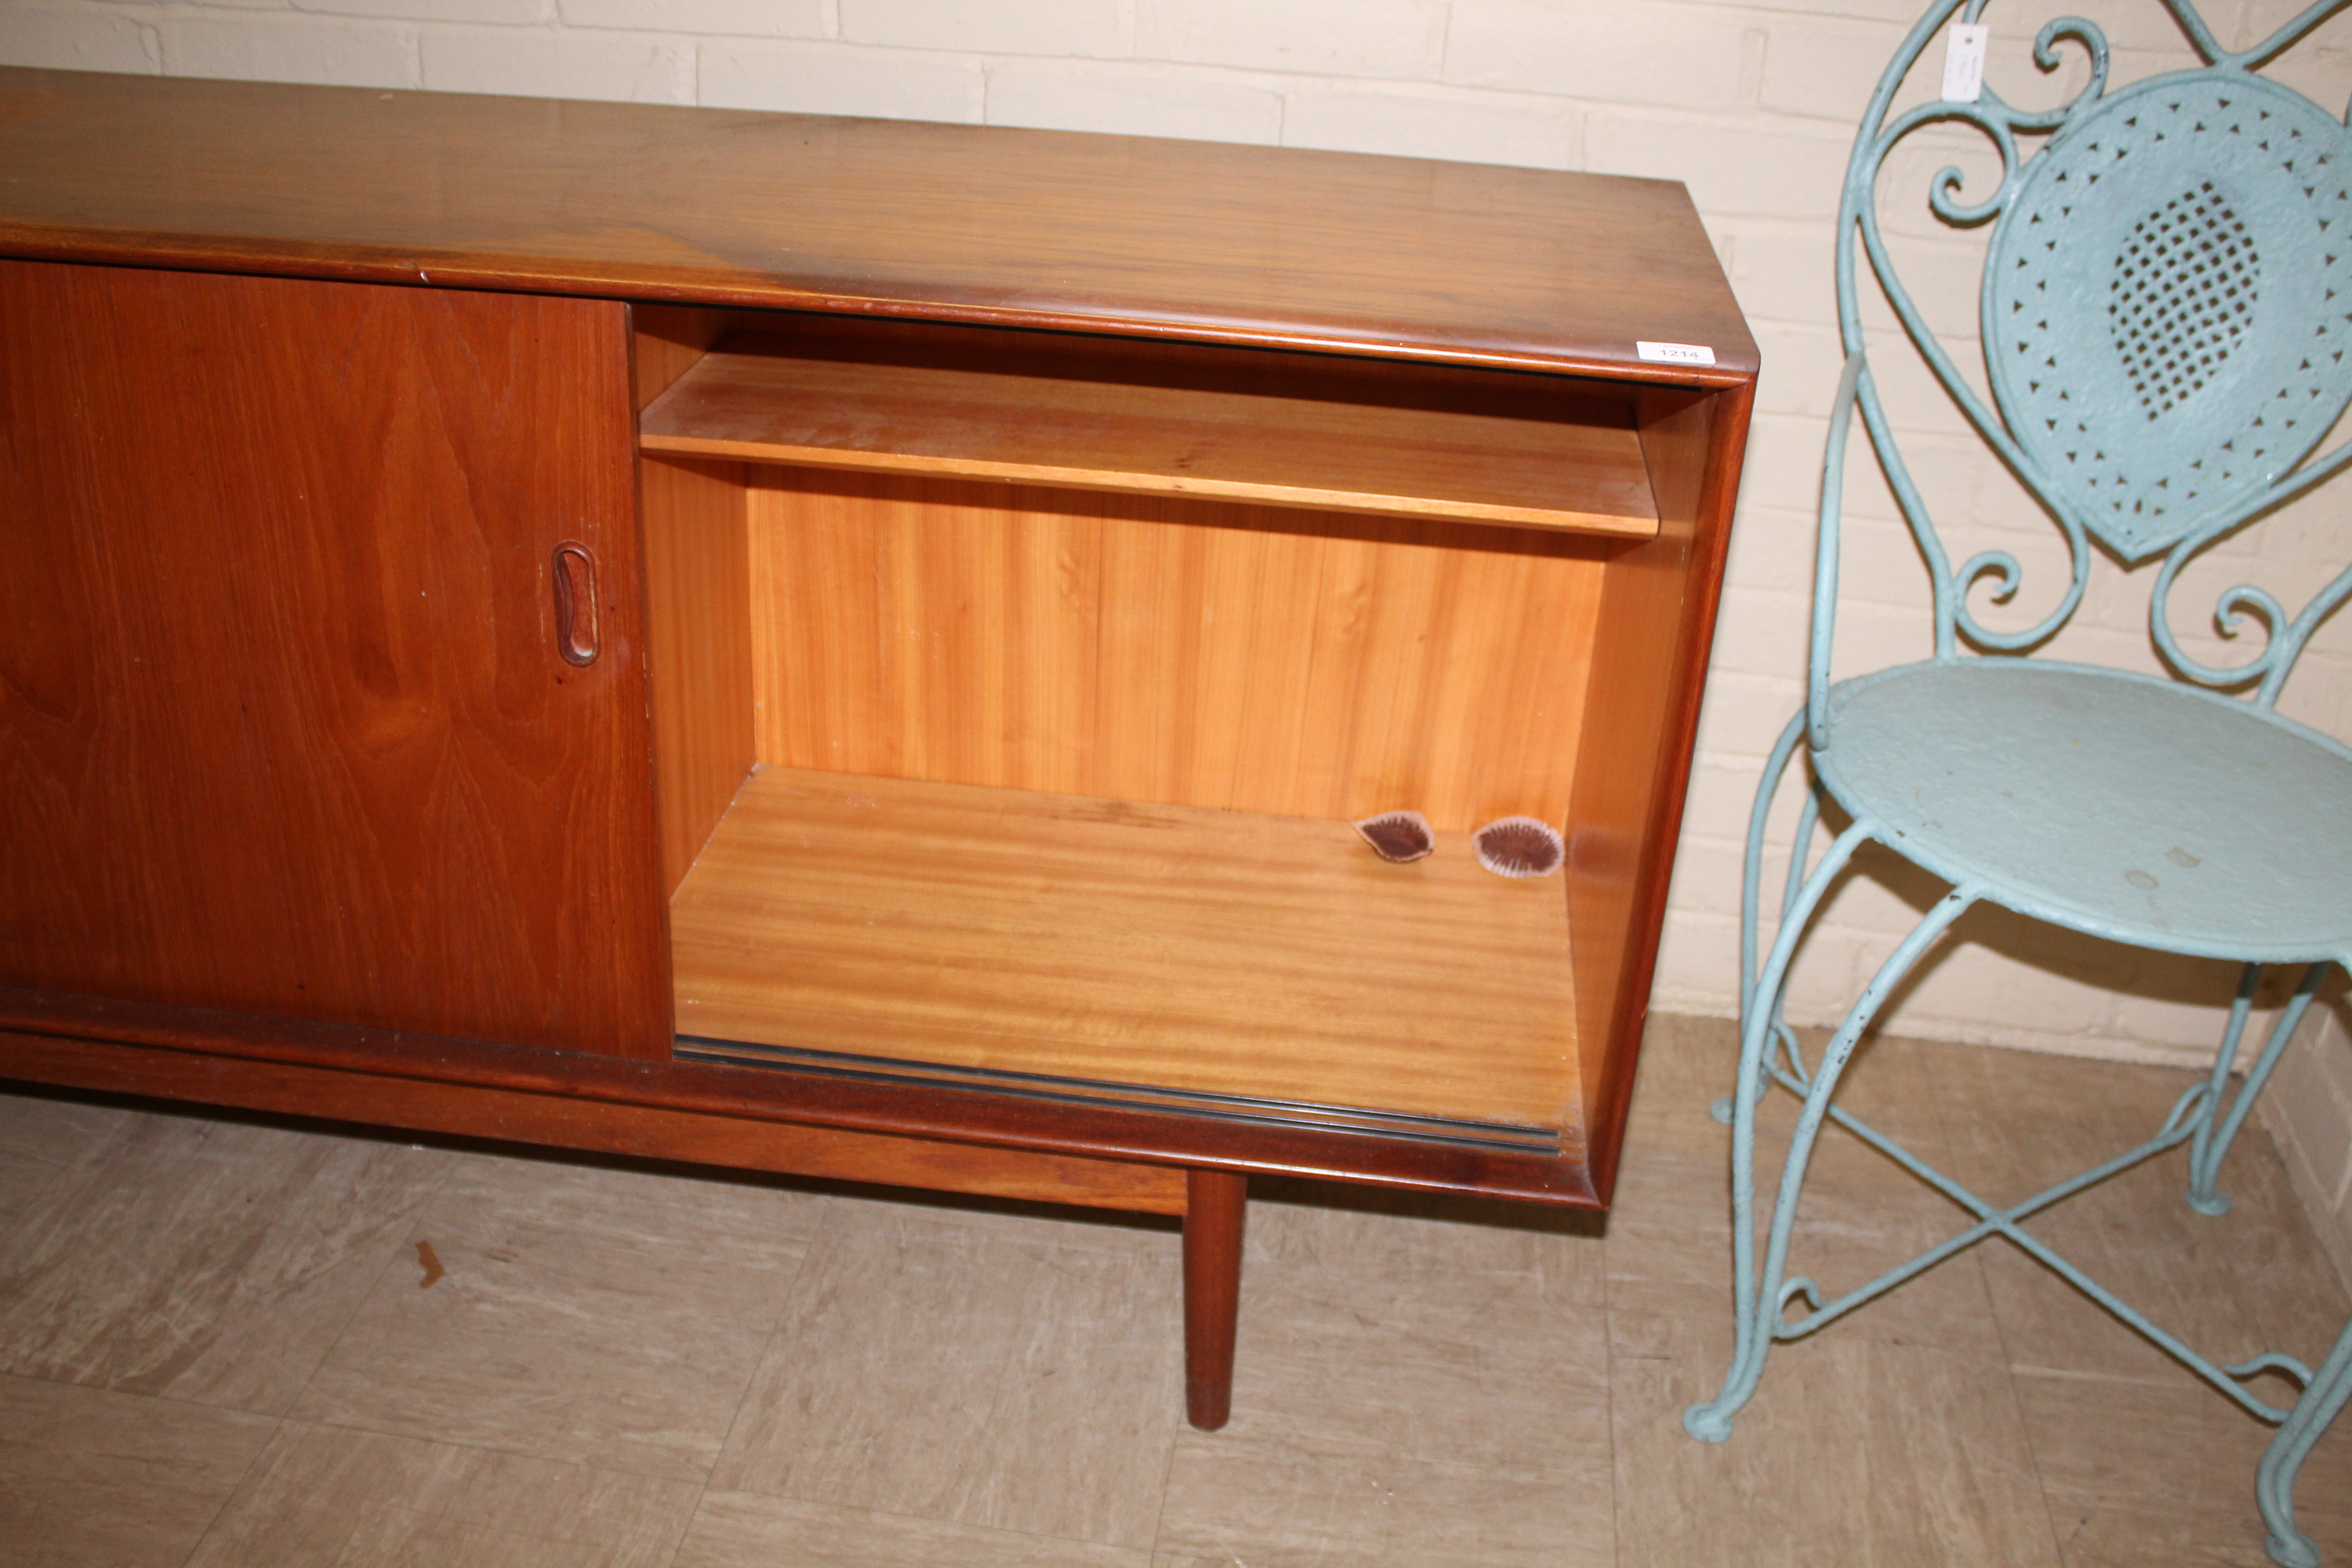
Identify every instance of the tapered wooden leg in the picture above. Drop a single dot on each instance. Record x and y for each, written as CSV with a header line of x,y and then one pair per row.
x,y
1215,1205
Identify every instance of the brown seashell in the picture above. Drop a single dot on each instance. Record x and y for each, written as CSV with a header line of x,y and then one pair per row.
x,y
1398,835
1519,846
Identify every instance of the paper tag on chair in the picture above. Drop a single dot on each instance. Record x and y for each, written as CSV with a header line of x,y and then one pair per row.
x,y
1964,58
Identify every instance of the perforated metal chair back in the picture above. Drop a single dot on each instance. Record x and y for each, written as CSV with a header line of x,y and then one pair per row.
x,y
2166,308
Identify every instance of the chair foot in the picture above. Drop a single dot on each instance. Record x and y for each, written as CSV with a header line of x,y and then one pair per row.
x,y
1721,1111
1706,1424
2292,1552
2323,1398
2218,1124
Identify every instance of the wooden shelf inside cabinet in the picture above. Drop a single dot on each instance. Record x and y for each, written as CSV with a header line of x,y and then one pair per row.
x,y
1220,963
1503,448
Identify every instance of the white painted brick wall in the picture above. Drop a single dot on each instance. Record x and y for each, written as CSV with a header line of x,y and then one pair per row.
x,y
1434,122
1051,29
289,46
1751,104
1806,55
1403,39
1134,99
79,38
513,13
719,19
840,79
1609,54
546,62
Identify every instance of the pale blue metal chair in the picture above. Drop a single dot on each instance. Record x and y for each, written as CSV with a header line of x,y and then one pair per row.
x,y
2166,311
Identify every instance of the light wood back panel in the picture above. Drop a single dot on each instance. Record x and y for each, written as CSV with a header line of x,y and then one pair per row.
x,y
1137,649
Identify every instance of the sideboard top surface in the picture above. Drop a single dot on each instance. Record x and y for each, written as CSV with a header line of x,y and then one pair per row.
x,y
1398,257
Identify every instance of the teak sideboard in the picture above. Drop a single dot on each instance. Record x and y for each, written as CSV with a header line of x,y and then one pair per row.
x,y
846,648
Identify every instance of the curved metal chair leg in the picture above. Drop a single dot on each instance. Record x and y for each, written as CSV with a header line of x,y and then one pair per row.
x,y
1751,881
1756,1040
2322,1398
1760,1297
2216,1130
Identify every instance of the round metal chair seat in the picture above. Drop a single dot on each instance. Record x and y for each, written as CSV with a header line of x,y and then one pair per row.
x,y
2120,804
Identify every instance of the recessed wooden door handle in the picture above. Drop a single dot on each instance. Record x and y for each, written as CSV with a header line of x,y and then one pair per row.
x,y
575,604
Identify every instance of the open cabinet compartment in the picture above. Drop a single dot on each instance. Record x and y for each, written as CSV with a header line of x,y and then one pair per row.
x,y
1012,701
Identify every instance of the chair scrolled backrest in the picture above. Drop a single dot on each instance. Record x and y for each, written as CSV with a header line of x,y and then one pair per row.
x,y
2166,316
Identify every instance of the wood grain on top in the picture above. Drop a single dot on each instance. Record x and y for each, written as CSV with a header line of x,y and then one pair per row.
x,y
1394,256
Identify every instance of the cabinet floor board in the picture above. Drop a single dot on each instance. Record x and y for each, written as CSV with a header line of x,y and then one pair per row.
x,y
1200,952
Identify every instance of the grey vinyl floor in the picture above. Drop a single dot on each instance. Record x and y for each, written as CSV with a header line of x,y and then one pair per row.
x,y
219,1345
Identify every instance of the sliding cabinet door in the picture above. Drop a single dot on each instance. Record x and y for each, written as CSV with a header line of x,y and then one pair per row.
x,y
322,683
